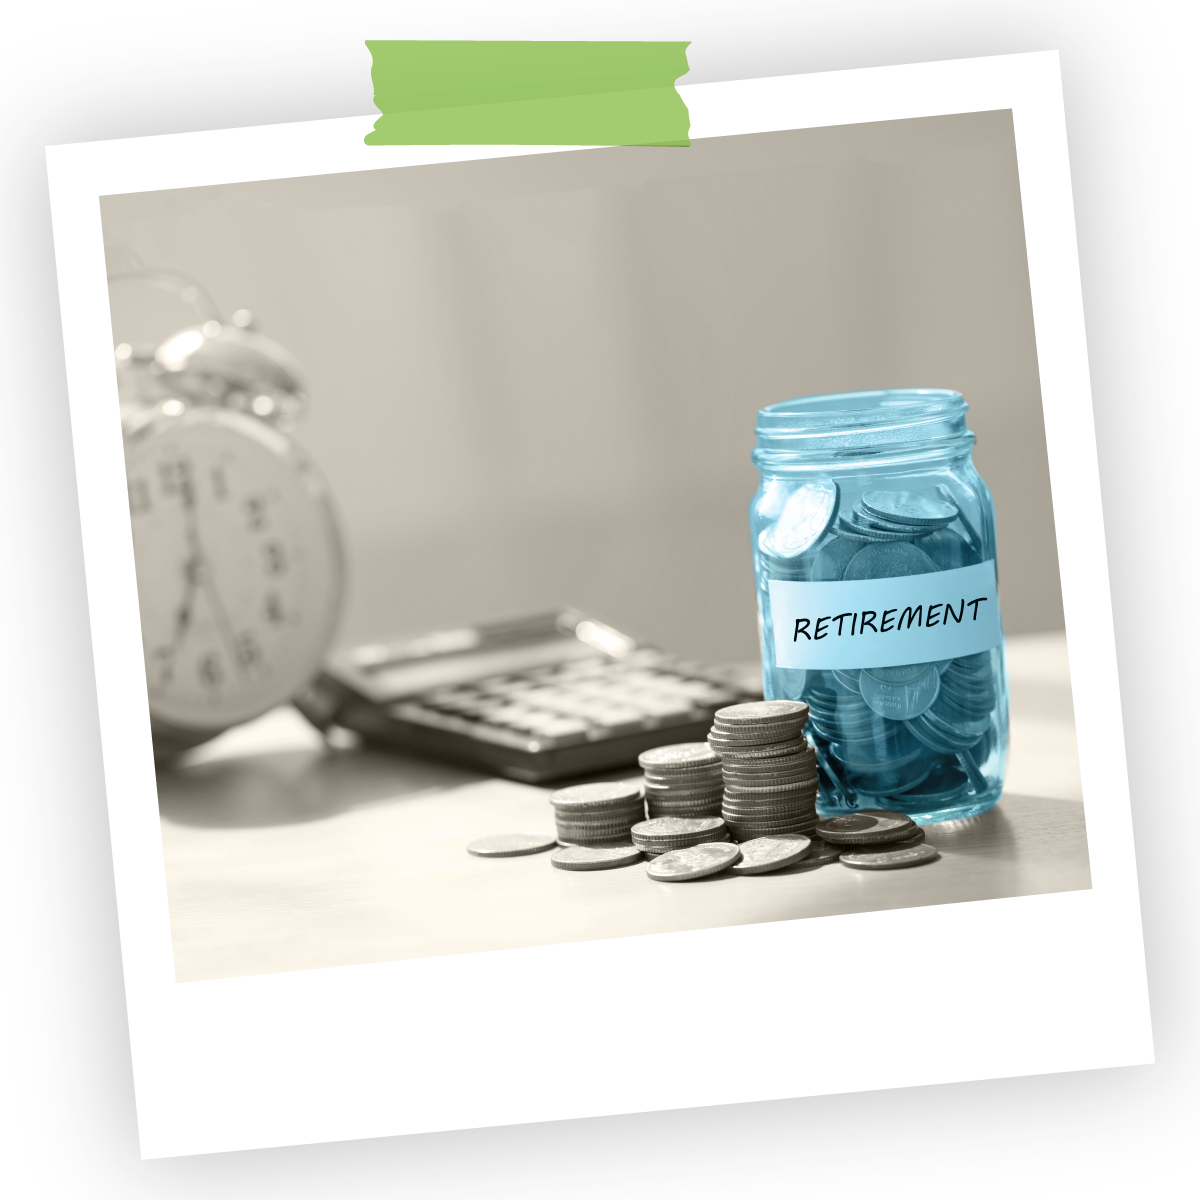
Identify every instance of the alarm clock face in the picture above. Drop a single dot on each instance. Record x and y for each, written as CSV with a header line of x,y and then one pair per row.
x,y
239,569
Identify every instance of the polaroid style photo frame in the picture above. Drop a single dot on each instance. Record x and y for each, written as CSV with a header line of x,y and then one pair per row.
x,y
308,1052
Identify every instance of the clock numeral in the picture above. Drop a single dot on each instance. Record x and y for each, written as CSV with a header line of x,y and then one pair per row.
x,y
256,513
139,497
163,658
210,670
274,559
249,653
175,478
273,607
220,485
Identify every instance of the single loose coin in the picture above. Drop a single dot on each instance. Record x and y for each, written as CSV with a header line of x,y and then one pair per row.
x,y
512,845
694,862
771,854
889,859
588,858
872,825
680,756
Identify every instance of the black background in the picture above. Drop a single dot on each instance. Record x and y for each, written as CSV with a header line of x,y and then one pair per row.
x,y
80,73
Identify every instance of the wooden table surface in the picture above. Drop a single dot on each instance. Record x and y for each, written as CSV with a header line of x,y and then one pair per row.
x,y
282,854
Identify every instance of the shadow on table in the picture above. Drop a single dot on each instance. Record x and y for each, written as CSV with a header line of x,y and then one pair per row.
x,y
295,786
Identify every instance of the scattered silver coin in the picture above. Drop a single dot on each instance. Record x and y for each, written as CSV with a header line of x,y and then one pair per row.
x,y
587,858
764,854
694,862
512,845
890,859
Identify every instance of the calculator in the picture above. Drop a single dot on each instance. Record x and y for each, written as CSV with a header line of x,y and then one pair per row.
x,y
537,699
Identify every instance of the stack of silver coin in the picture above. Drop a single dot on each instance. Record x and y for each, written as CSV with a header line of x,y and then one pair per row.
x,y
597,814
664,834
769,769
682,780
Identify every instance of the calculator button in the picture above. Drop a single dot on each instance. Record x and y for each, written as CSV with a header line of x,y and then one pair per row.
x,y
560,731
609,722
663,709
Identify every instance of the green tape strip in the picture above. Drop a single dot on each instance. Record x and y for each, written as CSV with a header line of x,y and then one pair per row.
x,y
529,93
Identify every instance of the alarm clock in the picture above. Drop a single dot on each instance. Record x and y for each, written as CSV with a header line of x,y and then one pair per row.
x,y
239,563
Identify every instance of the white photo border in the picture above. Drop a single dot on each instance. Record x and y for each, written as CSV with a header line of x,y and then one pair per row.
x,y
1021,986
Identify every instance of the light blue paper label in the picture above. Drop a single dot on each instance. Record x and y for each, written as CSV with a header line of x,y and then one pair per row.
x,y
885,622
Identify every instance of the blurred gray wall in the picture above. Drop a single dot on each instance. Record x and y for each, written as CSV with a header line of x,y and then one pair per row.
x,y
535,380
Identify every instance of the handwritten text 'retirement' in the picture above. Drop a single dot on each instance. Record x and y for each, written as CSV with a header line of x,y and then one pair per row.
x,y
856,624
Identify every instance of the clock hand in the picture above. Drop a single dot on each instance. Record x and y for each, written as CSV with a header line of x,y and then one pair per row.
x,y
200,571
222,618
167,655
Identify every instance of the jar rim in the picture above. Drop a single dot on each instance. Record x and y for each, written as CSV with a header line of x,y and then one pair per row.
x,y
848,421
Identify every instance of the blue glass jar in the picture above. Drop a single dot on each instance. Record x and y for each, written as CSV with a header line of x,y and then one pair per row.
x,y
875,557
